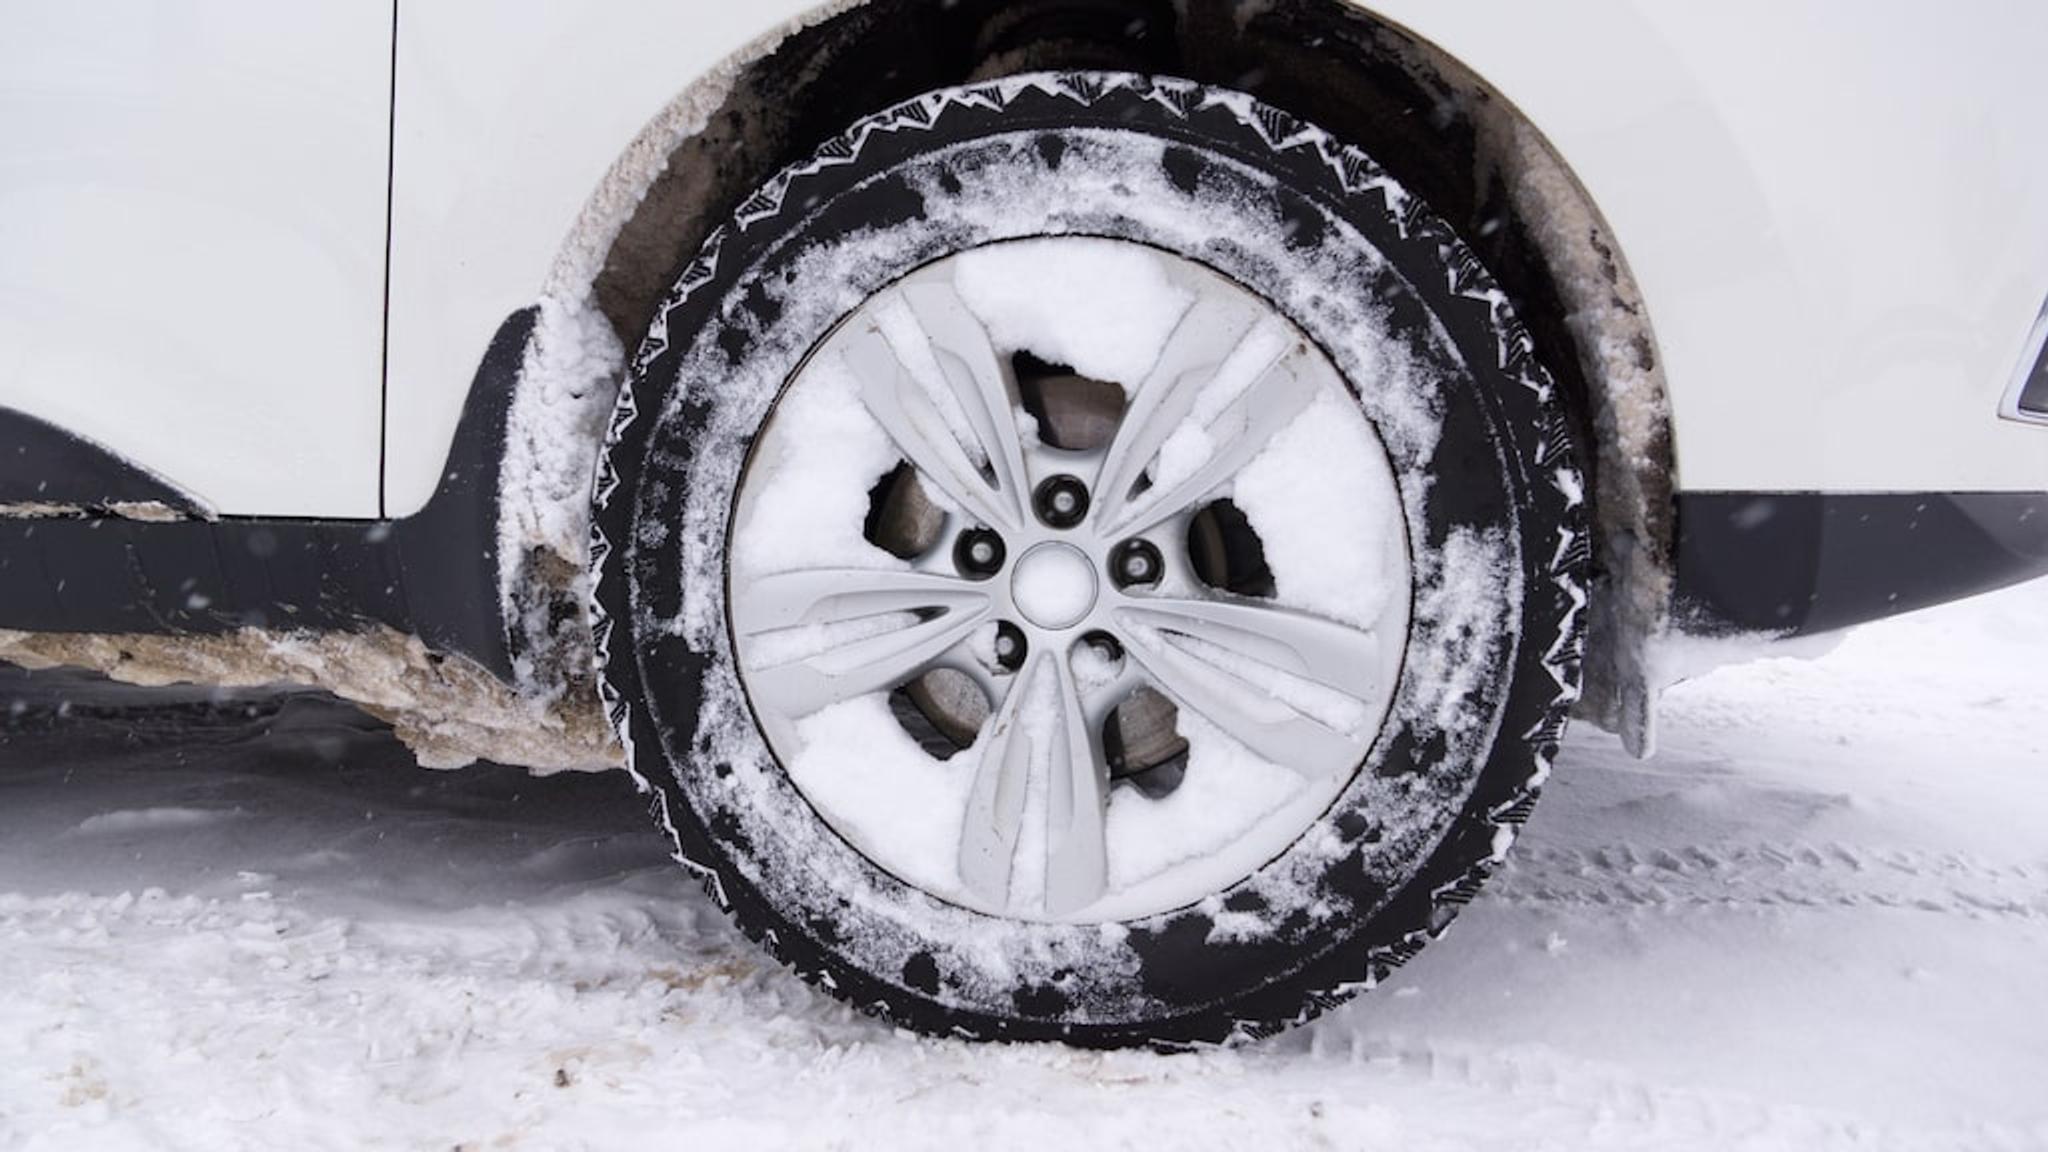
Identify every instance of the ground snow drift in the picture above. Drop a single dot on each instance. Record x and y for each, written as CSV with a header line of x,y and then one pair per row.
x,y
1818,921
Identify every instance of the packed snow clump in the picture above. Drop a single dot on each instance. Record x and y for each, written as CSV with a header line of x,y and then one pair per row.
x,y
826,455
1326,468
1105,310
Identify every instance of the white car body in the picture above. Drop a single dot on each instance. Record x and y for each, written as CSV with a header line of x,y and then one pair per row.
x,y
1841,281
258,255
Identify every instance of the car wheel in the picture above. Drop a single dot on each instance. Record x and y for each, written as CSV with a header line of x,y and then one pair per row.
x,y
1089,557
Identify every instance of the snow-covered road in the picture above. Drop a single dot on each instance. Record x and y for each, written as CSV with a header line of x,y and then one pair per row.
x,y
1818,920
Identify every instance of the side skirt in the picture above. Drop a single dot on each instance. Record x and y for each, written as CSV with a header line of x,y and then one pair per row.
x,y
79,565
1802,563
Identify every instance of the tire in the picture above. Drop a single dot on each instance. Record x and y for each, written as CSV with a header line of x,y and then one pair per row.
x,y
1490,499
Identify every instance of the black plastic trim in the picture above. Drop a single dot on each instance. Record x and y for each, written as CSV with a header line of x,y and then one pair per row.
x,y
1803,563
390,221
42,464
433,574
2033,399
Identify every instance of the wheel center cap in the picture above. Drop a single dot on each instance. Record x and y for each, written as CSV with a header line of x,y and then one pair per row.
x,y
1054,586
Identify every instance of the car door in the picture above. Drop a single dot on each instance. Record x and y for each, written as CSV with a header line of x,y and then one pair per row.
x,y
192,223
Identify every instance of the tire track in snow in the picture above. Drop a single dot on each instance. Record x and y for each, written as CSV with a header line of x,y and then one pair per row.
x,y
1790,875
1603,1106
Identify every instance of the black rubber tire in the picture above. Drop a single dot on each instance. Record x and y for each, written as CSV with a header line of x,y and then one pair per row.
x,y
1476,434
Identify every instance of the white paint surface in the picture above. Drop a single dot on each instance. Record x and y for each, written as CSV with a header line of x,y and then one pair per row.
x,y
192,208
1834,221
1842,265
510,116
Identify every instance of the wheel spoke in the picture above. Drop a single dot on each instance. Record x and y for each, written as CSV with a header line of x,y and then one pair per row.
x,y
1288,718
960,347
1334,655
1235,438
1232,385
838,595
1062,742
849,632
1077,793
1200,344
995,808
924,348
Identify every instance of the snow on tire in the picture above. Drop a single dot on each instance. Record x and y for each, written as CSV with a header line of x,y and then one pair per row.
x,y
911,412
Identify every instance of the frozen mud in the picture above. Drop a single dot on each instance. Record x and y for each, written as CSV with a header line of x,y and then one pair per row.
x,y
448,711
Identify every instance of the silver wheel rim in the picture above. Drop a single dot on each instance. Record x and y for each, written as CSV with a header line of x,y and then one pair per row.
x,y
1060,583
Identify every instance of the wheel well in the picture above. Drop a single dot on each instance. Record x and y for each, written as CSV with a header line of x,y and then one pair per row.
x,y
1430,121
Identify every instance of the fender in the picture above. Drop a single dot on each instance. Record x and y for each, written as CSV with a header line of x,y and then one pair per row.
x,y
1441,129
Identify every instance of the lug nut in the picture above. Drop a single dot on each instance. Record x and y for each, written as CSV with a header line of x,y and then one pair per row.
x,y
979,553
1061,501
1134,563
1011,647
1106,646
1097,660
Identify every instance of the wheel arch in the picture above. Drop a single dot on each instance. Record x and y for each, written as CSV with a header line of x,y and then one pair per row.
x,y
1435,124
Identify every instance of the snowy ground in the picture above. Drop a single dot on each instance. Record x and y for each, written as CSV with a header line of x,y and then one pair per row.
x,y
1819,920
